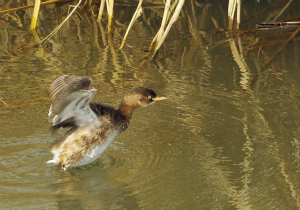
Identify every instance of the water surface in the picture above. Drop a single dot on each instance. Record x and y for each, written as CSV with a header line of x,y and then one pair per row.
x,y
226,138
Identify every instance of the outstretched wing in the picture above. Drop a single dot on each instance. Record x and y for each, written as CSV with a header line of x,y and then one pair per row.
x,y
70,97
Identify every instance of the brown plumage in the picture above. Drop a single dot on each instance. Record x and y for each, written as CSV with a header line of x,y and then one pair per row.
x,y
93,126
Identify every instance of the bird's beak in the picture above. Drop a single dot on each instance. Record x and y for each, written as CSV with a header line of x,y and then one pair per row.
x,y
159,98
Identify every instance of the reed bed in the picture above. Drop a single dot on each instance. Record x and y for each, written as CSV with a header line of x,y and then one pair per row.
x,y
103,11
171,13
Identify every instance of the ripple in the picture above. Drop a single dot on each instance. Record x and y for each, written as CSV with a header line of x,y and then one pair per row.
x,y
113,157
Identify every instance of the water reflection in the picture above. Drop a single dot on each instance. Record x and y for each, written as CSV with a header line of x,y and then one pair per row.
x,y
86,188
227,138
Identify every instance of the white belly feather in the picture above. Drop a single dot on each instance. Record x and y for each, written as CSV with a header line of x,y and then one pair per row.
x,y
98,150
92,155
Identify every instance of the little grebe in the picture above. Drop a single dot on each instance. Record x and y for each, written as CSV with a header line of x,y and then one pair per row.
x,y
93,126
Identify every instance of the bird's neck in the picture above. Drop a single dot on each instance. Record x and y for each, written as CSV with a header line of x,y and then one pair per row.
x,y
126,109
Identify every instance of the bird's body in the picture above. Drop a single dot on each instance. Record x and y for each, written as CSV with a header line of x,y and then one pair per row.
x,y
93,126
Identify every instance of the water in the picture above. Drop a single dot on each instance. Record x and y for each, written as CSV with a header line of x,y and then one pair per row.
x,y
226,138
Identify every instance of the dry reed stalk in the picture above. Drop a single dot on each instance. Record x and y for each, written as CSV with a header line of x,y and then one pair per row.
x,y
234,6
173,7
164,21
231,11
101,10
28,6
4,102
135,16
162,26
35,14
60,25
238,14
172,21
110,11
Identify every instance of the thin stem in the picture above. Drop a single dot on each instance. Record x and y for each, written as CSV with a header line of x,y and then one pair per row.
x,y
60,25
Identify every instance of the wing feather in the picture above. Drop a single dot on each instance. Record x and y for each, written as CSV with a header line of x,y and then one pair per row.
x,y
70,97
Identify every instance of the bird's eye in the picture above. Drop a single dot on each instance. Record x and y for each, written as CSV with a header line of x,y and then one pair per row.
x,y
150,97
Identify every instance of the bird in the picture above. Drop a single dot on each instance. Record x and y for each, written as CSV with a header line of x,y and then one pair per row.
x,y
92,127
